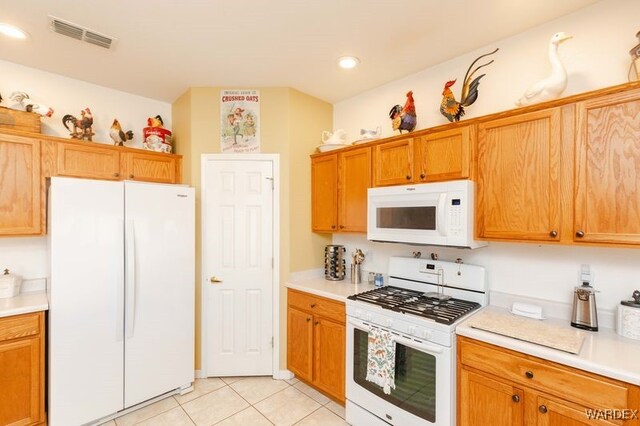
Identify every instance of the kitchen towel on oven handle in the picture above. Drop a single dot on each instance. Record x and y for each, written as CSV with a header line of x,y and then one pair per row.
x,y
381,359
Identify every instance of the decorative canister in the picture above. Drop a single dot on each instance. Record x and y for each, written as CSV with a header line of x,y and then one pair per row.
x,y
628,324
9,284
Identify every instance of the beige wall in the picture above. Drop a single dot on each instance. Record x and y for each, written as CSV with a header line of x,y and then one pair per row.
x,y
291,123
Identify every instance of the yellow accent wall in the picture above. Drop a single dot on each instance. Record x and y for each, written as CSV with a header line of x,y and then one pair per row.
x,y
290,124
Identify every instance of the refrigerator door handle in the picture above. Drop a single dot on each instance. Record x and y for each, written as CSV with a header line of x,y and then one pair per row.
x,y
130,281
120,301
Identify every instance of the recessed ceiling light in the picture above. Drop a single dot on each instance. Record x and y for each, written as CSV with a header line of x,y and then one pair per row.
x,y
348,62
12,31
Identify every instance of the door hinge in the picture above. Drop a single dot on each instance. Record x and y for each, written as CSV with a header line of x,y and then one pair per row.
x,y
272,180
271,341
273,263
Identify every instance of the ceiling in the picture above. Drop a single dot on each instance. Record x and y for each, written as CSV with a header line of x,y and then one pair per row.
x,y
164,47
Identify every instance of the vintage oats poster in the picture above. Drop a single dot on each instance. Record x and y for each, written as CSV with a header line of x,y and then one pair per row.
x,y
240,121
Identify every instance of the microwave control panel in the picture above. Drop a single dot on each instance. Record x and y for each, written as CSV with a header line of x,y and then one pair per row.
x,y
455,217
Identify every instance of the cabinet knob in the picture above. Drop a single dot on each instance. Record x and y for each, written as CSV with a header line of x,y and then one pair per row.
x,y
516,398
341,226
408,177
543,409
333,227
422,176
580,234
313,305
553,233
317,322
116,175
308,319
529,374
130,176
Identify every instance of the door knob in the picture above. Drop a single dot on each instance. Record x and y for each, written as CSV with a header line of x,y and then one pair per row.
x,y
215,280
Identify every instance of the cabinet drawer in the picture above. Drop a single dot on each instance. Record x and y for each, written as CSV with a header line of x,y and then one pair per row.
x,y
592,391
17,326
317,305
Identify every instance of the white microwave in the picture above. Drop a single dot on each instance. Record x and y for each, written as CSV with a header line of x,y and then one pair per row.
x,y
438,214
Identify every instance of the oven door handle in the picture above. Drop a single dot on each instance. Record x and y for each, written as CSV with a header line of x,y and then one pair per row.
x,y
423,347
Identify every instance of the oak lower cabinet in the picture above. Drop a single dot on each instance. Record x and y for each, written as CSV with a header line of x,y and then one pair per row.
x,y
444,155
316,336
518,188
498,386
20,196
22,366
607,161
393,162
339,183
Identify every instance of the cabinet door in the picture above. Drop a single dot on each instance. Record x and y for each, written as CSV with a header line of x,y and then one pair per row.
x,y
329,356
484,401
518,177
22,371
148,167
444,155
87,161
324,193
607,187
556,412
20,207
300,343
393,163
354,180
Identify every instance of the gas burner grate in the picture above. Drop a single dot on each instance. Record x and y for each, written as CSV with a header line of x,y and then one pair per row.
x,y
442,311
388,297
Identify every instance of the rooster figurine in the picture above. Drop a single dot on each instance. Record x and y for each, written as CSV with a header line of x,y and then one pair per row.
x,y
23,99
453,109
404,118
82,128
118,135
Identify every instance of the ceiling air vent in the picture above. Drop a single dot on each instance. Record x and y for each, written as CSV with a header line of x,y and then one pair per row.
x,y
80,33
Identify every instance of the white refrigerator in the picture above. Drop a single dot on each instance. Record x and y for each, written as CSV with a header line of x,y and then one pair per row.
x,y
121,295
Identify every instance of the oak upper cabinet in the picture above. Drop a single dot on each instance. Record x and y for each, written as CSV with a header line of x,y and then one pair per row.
x,y
324,193
607,162
20,207
488,402
87,161
393,163
22,369
316,336
353,181
444,155
149,167
518,172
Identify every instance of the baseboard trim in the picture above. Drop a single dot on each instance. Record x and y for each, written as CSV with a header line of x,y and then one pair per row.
x,y
282,375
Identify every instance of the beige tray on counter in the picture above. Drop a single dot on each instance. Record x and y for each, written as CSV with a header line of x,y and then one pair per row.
x,y
529,330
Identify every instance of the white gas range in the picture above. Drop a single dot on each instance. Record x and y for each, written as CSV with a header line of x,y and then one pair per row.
x,y
421,307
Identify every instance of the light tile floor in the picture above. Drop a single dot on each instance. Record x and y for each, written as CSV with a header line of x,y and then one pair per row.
x,y
240,401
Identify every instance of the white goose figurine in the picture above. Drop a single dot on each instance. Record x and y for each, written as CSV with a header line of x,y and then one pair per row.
x,y
552,86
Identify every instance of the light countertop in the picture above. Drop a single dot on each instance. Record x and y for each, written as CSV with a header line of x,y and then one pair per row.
x,y
317,285
24,303
603,352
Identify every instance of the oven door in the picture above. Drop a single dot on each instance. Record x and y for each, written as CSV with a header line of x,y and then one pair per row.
x,y
424,379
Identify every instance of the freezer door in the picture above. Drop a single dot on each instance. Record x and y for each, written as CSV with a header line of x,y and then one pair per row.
x,y
86,319
160,289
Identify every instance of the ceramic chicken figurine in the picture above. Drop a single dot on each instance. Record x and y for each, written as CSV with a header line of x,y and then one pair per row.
x,y
552,86
404,118
453,109
118,135
23,99
82,128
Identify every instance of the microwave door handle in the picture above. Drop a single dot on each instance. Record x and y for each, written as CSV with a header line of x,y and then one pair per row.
x,y
423,347
441,213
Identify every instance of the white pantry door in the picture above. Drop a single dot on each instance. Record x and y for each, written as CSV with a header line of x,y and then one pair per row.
x,y
237,266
